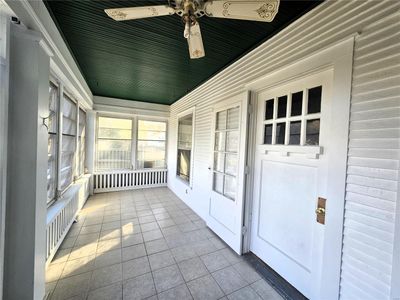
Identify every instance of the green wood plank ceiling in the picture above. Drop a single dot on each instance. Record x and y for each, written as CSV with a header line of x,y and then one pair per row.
x,y
148,60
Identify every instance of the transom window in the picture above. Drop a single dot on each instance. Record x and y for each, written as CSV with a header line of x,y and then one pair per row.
x,y
226,149
293,119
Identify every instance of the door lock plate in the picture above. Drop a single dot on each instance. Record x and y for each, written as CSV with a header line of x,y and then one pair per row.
x,y
320,210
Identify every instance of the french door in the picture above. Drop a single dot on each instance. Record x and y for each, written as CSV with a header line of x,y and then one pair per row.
x,y
228,160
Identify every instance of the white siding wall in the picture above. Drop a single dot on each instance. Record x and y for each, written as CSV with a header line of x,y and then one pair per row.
x,y
372,184
373,162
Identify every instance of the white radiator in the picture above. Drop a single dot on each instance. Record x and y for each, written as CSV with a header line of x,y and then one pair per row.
x,y
130,179
61,215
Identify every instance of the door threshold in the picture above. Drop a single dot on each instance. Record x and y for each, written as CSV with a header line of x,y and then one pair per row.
x,y
284,288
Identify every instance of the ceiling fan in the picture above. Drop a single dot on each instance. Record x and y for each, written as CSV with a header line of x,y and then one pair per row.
x,y
191,10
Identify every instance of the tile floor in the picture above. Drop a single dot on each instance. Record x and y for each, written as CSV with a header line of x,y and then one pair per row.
x,y
147,244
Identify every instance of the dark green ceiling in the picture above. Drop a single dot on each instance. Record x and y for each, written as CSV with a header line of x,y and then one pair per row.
x,y
147,60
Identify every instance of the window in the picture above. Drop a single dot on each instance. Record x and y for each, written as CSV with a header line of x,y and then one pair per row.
x,y
68,142
52,143
151,144
114,144
293,119
185,138
226,149
82,141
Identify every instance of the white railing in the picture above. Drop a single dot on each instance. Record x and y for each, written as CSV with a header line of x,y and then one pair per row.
x,y
61,215
128,179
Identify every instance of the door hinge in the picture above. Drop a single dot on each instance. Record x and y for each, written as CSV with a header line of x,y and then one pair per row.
x,y
244,230
250,109
246,170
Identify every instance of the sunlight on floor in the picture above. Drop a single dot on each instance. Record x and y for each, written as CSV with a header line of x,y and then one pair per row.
x,y
147,244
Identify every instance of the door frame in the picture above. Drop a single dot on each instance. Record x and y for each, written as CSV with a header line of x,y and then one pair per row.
x,y
339,58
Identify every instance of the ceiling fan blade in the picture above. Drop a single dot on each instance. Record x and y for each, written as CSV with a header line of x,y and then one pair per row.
x,y
195,42
131,13
262,10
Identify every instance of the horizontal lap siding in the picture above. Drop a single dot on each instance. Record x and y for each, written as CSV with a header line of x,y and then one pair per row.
x,y
373,167
373,161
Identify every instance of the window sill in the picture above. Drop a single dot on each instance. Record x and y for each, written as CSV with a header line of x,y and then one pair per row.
x,y
67,195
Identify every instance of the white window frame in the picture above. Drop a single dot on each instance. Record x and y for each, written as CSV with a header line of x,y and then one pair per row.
x,y
115,116
80,107
135,141
190,111
62,89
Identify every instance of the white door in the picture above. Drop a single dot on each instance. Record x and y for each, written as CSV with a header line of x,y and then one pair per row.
x,y
290,174
226,200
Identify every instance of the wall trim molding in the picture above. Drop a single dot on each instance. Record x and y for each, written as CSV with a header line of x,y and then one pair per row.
x,y
34,15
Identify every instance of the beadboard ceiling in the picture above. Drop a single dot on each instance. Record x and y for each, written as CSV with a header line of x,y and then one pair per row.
x,y
147,60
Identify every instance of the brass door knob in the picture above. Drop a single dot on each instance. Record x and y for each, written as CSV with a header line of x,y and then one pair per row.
x,y
320,211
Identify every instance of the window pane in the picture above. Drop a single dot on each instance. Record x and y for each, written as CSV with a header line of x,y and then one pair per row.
x,y
231,161
269,109
312,132
69,116
218,183
113,154
221,120
282,106
268,134
233,118
232,141
219,161
185,132
295,129
297,104
230,187
52,148
314,100
115,123
114,144
183,170
114,133
151,154
151,144
219,141
280,133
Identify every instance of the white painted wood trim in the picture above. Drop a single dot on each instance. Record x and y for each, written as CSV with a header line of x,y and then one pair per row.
x,y
4,98
35,15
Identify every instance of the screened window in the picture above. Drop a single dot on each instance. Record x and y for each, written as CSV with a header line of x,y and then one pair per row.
x,y
68,142
52,143
82,141
185,135
114,144
151,144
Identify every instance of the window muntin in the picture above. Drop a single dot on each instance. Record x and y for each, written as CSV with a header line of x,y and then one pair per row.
x,y
294,118
82,141
226,148
52,151
184,155
151,144
68,142
114,144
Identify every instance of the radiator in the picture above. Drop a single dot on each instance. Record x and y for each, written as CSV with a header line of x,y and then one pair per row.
x,y
61,215
127,180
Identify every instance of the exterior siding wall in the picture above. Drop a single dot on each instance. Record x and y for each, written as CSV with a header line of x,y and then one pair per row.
x,y
373,158
373,162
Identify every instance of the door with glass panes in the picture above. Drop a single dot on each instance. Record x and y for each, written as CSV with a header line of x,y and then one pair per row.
x,y
228,149
291,177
